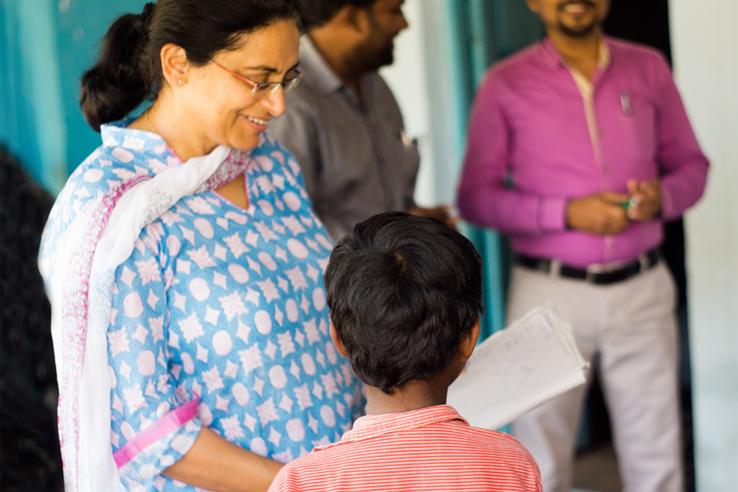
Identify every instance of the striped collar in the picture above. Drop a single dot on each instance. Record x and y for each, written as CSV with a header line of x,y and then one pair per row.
x,y
375,425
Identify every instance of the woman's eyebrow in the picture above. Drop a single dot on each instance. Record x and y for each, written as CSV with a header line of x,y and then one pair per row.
x,y
262,68
268,69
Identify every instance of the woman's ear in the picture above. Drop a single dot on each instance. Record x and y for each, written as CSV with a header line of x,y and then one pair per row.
x,y
175,67
337,342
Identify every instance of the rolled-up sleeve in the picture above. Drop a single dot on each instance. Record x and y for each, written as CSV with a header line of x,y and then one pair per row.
x,y
483,197
153,424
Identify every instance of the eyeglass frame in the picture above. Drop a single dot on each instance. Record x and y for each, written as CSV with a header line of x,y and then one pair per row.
x,y
265,88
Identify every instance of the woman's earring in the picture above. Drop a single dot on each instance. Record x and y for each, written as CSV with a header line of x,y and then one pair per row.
x,y
180,82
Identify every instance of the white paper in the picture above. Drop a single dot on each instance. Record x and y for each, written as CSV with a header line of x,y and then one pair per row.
x,y
515,370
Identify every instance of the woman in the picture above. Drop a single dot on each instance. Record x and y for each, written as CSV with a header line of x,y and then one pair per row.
x,y
184,262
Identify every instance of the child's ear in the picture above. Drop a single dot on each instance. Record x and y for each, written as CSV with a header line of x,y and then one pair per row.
x,y
466,347
337,341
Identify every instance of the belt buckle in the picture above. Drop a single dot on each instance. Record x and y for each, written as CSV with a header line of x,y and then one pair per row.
x,y
644,263
591,272
554,268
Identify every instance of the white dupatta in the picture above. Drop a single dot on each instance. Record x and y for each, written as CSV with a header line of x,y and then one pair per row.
x,y
79,276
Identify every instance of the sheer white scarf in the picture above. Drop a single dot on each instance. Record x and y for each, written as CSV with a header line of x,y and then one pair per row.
x,y
79,277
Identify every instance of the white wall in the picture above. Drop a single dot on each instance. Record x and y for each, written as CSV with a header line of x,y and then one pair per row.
x,y
420,80
705,45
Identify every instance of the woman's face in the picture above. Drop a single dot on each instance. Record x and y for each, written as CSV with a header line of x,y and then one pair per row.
x,y
223,106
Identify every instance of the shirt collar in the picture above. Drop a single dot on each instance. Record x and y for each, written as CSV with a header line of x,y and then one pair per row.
x,y
316,69
554,58
117,134
158,155
376,425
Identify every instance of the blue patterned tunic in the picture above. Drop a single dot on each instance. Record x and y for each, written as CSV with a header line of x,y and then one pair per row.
x,y
219,316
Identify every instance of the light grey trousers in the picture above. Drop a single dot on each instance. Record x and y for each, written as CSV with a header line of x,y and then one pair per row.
x,y
631,327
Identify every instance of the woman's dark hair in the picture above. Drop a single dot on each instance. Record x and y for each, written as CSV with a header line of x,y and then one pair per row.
x,y
128,70
403,291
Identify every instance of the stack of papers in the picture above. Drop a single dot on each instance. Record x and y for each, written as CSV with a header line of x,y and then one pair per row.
x,y
517,369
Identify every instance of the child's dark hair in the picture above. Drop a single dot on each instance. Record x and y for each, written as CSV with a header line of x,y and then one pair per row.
x,y
128,70
403,291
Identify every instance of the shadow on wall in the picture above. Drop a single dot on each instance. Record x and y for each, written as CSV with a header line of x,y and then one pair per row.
x,y
28,391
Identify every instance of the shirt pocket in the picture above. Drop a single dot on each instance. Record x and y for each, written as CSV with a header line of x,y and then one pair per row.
x,y
638,117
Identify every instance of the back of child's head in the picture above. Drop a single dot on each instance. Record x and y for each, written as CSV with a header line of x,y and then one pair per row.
x,y
403,292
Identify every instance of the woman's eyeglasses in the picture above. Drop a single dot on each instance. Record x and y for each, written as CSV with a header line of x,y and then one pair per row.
x,y
266,88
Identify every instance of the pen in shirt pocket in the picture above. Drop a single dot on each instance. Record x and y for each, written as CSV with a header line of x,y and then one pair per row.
x,y
626,103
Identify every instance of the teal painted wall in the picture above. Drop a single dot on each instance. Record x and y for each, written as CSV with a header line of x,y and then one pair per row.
x,y
45,46
484,32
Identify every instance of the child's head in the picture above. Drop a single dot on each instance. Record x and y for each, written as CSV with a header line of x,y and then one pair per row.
x,y
405,294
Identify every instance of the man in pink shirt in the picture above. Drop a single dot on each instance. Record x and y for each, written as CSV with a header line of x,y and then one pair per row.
x,y
405,294
580,149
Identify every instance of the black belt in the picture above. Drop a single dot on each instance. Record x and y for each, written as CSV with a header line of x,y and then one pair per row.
x,y
644,262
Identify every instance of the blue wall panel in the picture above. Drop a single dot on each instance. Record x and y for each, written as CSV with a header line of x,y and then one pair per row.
x,y
45,46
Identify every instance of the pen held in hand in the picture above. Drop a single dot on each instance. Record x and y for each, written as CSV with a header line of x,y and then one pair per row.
x,y
630,203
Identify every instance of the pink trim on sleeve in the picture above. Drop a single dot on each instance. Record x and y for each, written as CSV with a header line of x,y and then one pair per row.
x,y
166,424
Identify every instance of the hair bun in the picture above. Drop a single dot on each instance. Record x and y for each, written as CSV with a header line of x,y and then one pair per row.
x,y
117,83
147,12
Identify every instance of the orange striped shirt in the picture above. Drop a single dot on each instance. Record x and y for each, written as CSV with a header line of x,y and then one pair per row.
x,y
431,449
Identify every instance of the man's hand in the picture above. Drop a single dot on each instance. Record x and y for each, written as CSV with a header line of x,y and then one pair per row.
x,y
601,214
442,213
645,200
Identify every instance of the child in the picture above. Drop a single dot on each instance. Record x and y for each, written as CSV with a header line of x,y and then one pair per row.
x,y
405,294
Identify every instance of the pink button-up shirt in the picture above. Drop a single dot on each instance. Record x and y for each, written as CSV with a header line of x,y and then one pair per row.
x,y
537,140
